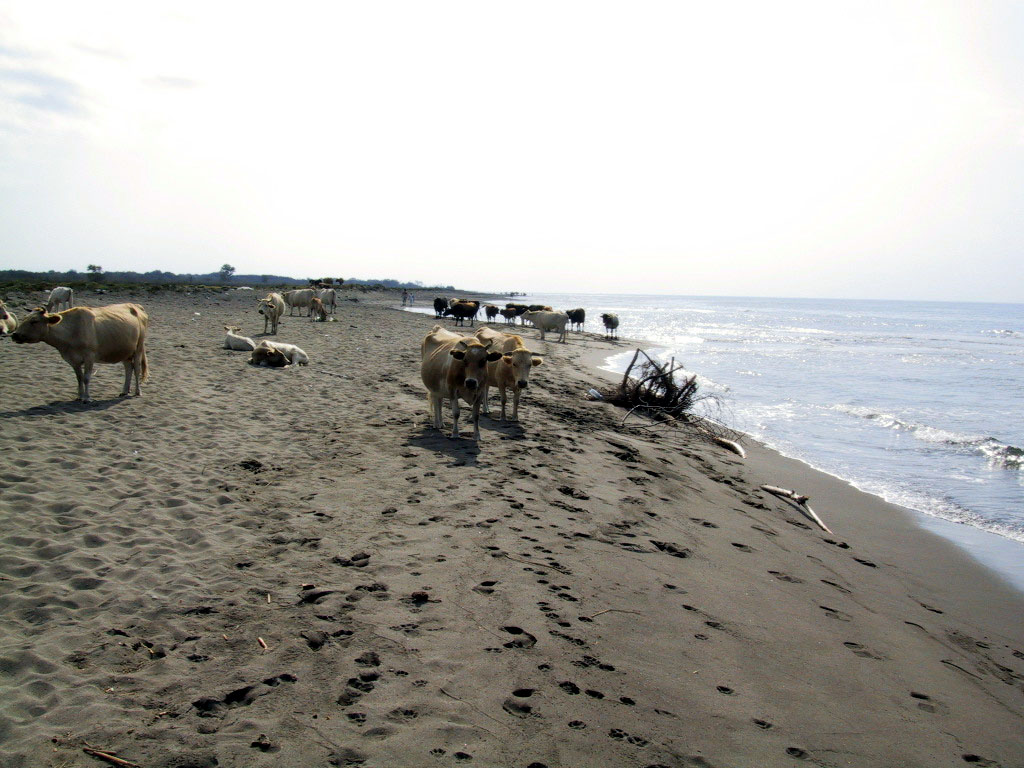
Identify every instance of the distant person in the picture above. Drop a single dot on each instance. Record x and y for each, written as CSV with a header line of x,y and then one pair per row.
x,y
412,299
405,297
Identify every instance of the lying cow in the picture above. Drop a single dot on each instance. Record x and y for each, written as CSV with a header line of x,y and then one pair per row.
x,y
512,371
275,354
60,296
8,321
271,307
577,317
85,336
462,310
237,342
611,325
317,313
440,305
453,367
300,298
548,321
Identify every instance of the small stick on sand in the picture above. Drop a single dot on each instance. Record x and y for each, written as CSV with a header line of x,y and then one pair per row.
x,y
539,565
613,610
797,500
108,757
262,643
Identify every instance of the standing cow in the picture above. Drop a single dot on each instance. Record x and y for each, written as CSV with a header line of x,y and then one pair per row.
x,y
329,298
548,321
611,325
440,305
453,367
271,307
300,298
60,296
85,336
577,317
512,371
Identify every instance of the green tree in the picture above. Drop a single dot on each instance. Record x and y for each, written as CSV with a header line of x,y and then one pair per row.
x,y
226,272
95,270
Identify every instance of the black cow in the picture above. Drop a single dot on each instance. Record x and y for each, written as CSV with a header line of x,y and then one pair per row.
x,y
611,325
440,305
577,317
461,310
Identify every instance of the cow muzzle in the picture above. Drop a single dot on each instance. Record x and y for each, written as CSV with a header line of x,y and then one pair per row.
x,y
523,383
470,383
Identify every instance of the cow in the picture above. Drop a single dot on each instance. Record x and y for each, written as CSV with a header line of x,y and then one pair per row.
x,y
510,314
520,309
85,336
300,298
271,307
611,325
60,296
236,342
461,310
440,305
577,317
512,371
329,298
270,353
548,321
317,313
491,311
454,366
8,321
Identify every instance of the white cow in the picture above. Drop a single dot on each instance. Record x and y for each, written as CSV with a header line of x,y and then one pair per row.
x,y
293,354
271,307
8,322
548,321
299,298
329,297
236,342
60,296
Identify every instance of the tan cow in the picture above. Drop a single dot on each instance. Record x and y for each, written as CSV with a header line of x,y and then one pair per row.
x,y
512,371
271,307
60,296
453,367
548,322
317,314
85,336
300,298
8,321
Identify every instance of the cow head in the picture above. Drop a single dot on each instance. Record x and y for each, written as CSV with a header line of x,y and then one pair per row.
x,y
34,327
521,362
268,356
474,357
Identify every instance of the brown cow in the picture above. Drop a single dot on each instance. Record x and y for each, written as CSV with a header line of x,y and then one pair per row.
x,y
85,336
317,313
454,366
512,371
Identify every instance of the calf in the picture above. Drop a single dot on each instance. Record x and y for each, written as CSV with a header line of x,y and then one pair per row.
x,y
85,336
300,298
317,313
8,322
236,342
454,366
577,317
611,325
548,321
271,307
60,296
512,371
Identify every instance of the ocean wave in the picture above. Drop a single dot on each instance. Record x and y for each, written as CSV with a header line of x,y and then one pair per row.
x,y
1006,332
999,454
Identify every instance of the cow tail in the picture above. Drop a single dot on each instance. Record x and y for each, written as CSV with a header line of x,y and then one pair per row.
x,y
144,366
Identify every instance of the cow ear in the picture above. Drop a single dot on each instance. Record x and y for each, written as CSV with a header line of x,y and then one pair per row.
x,y
493,357
507,359
53,319
458,354
538,361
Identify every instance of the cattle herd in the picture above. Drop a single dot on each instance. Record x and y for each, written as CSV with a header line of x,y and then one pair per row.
x,y
454,367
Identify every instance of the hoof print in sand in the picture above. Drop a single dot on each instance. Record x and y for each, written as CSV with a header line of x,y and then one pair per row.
x,y
864,653
346,757
485,587
358,560
520,638
672,549
575,493
241,697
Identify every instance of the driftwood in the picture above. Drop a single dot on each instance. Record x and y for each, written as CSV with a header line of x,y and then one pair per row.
x,y
797,500
654,390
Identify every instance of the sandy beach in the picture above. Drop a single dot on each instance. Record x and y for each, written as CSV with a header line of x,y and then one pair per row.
x,y
258,567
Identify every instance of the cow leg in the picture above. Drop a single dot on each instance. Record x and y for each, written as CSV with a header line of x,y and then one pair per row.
x,y
129,368
476,419
515,404
504,399
456,410
485,394
84,373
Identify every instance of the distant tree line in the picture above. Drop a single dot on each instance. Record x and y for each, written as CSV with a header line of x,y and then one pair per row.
x,y
226,275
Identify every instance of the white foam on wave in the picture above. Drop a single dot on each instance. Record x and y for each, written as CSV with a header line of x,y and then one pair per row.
x,y
998,453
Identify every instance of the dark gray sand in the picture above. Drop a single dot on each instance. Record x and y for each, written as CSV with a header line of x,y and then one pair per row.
x,y
255,567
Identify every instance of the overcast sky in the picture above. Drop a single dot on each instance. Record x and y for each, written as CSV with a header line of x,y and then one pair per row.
x,y
863,150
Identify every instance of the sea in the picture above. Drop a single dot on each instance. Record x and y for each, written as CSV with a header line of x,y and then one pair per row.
x,y
920,403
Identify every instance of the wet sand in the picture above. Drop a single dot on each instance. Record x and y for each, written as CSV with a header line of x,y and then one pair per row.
x,y
565,593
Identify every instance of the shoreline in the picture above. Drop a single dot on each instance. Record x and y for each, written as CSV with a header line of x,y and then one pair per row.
x,y
291,567
1002,556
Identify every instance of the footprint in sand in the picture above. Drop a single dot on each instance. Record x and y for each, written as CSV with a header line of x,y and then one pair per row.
x,y
521,638
786,577
832,613
864,653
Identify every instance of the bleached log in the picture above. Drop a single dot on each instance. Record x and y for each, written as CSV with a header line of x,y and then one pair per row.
x,y
799,501
731,445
